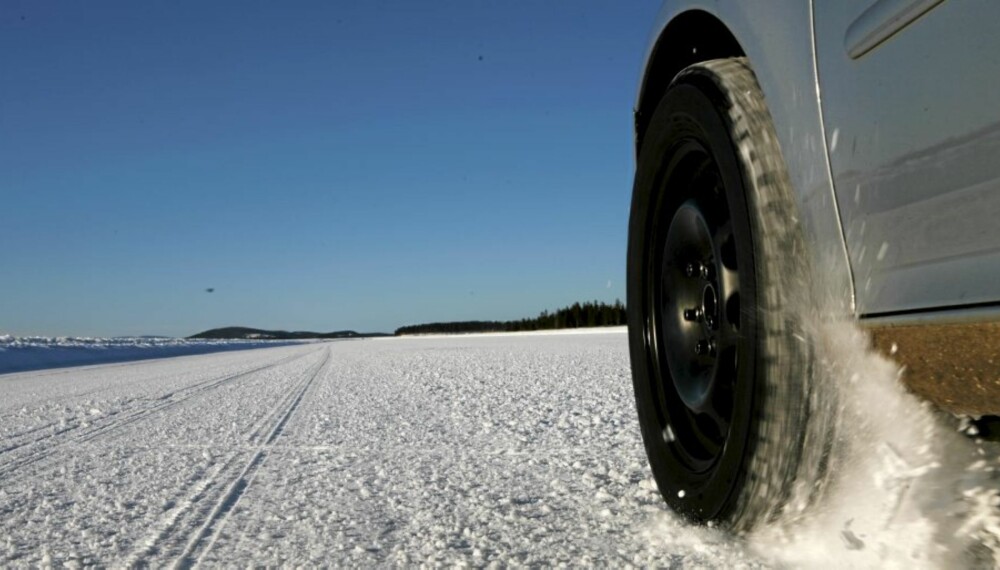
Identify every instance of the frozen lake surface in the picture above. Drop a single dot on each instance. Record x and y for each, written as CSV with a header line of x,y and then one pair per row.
x,y
19,354
479,450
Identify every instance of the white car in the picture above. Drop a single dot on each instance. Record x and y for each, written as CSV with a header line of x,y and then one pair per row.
x,y
797,153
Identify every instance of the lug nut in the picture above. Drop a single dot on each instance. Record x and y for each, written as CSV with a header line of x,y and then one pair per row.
x,y
705,347
696,269
692,314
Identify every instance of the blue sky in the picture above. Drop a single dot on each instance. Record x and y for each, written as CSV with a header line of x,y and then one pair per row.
x,y
322,166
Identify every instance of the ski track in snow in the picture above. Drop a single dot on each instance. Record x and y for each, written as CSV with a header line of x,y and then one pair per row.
x,y
480,450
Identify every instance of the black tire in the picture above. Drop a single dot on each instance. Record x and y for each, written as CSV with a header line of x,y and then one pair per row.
x,y
717,275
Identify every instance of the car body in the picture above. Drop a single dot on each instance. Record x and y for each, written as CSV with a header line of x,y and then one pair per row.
x,y
802,160
887,117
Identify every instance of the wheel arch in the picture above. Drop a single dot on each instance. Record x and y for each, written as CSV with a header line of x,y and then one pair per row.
x,y
777,40
690,37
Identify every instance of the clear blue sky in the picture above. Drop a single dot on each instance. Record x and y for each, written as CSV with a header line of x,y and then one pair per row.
x,y
322,166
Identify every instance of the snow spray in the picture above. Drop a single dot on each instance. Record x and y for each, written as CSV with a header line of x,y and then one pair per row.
x,y
887,480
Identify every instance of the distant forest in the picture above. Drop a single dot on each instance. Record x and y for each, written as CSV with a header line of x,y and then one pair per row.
x,y
590,314
261,334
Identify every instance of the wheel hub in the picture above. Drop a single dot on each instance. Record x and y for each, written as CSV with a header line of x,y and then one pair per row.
x,y
691,305
696,309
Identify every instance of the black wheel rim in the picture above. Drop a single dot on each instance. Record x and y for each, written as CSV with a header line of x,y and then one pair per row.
x,y
693,289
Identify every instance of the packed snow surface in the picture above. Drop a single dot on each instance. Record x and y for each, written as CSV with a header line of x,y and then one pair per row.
x,y
486,450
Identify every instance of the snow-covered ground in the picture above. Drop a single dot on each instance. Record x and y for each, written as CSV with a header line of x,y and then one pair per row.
x,y
494,449
18,354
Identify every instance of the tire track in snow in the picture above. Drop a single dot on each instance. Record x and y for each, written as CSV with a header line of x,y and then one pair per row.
x,y
124,418
127,416
201,517
36,375
76,422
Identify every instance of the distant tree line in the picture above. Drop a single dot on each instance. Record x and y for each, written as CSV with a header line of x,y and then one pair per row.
x,y
577,315
261,334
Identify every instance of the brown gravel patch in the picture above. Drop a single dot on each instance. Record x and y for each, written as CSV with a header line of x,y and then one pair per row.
x,y
956,366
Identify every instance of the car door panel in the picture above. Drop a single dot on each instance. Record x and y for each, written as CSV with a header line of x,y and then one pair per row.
x,y
912,113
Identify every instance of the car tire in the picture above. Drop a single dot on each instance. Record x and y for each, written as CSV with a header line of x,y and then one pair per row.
x,y
717,276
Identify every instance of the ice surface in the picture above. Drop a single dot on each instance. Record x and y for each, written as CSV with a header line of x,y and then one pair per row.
x,y
479,450
507,449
